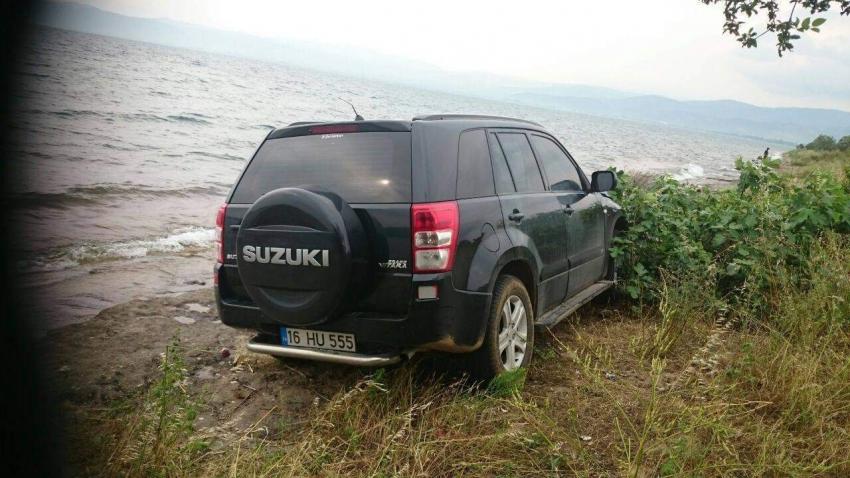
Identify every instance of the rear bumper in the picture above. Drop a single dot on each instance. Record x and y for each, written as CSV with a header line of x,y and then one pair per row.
x,y
454,322
259,346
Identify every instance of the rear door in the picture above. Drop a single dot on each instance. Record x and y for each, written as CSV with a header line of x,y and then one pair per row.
x,y
371,170
584,226
534,218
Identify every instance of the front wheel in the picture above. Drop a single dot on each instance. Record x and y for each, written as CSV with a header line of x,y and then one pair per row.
x,y
509,338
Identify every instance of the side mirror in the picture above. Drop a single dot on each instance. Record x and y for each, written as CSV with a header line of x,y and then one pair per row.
x,y
602,181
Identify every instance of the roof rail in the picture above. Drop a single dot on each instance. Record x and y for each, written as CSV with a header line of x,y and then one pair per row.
x,y
471,117
302,123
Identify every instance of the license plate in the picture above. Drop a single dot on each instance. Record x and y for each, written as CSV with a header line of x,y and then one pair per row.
x,y
316,339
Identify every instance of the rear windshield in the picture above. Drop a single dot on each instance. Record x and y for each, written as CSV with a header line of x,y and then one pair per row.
x,y
360,167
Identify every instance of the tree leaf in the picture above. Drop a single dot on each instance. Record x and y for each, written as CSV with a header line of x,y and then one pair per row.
x,y
818,22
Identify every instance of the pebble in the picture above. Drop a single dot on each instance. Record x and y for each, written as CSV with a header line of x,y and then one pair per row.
x,y
585,438
184,320
195,307
205,373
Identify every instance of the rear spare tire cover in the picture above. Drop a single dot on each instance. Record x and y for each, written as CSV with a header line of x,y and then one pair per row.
x,y
301,255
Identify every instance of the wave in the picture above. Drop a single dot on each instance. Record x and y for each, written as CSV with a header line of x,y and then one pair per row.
x,y
224,156
689,171
107,193
186,240
190,118
195,118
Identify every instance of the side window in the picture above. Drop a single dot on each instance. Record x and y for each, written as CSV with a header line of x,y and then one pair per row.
x,y
504,182
562,174
521,162
474,172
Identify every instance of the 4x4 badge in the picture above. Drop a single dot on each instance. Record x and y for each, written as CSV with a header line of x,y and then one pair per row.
x,y
286,256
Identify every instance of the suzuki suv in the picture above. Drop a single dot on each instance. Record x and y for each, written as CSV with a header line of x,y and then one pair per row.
x,y
364,242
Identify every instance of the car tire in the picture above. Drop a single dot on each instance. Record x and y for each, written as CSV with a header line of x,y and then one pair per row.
x,y
509,337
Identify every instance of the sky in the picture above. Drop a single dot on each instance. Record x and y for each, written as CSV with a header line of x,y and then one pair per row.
x,y
674,48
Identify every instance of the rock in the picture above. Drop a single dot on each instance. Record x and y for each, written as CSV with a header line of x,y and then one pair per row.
x,y
585,438
205,373
195,307
610,376
225,352
184,320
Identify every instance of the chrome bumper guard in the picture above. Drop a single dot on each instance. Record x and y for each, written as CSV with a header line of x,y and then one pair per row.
x,y
322,355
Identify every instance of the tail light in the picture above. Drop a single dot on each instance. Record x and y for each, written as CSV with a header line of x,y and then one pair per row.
x,y
335,128
219,234
434,227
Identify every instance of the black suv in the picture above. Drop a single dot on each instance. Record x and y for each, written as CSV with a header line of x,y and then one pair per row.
x,y
366,241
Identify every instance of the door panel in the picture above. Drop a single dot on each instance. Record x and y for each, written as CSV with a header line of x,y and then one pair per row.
x,y
584,219
541,230
534,218
585,242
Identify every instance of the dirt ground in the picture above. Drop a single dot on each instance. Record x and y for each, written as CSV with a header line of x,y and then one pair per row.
x,y
115,356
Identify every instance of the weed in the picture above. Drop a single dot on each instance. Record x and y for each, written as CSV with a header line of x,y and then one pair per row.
x,y
507,384
156,440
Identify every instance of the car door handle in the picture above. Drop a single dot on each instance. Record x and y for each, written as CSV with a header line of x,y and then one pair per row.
x,y
516,216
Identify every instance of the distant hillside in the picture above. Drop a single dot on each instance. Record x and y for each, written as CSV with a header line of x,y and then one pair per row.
x,y
793,125
796,125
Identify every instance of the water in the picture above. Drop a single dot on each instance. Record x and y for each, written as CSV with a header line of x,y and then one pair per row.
x,y
126,149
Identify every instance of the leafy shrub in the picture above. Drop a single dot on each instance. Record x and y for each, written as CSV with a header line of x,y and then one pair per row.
x,y
844,143
822,143
729,234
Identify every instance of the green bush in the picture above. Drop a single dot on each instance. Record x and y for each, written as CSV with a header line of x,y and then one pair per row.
x,y
822,143
844,143
725,236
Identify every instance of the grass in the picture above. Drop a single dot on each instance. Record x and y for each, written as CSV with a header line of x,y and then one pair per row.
x,y
801,162
779,403
706,373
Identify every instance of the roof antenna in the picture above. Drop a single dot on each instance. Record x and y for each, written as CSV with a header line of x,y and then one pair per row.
x,y
357,116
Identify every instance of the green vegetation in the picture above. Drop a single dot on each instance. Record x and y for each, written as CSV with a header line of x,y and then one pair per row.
x,y
805,160
729,355
822,143
788,20
156,438
731,239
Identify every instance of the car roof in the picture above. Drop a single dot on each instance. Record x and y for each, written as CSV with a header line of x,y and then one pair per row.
x,y
485,120
456,122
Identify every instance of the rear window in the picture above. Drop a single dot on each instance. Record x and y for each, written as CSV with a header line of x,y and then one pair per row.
x,y
360,167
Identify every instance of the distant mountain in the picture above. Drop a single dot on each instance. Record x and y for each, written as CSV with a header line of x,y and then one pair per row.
x,y
793,125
